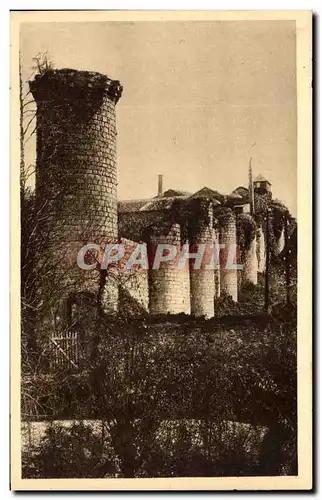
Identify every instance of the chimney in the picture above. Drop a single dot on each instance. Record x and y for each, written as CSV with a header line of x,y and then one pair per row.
x,y
160,185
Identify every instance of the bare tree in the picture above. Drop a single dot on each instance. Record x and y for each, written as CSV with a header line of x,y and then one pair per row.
x,y
41,63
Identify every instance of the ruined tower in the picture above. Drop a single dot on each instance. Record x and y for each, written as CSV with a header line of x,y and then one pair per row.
x,y
76,175
168,283
228,271
202,279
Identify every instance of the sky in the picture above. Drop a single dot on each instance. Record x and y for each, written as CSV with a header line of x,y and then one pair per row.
x,y
199,98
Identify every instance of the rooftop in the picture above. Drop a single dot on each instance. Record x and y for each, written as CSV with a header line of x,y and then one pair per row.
x,y
261,178
166,200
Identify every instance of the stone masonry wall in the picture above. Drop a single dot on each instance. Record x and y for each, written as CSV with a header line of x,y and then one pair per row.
x,y
261,250
76,172
250,263
168,285
134,225
202,281
134,282
228,277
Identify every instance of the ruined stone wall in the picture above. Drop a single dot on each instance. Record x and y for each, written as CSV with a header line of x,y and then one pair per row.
x,y
76,172
228,276
133,225
261,250
281,242
168,286
250,264
202,281
133,282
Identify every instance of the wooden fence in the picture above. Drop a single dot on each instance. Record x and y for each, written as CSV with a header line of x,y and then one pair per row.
x,y
65,351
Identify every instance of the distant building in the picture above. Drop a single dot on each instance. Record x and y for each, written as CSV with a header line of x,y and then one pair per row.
x,y
262,185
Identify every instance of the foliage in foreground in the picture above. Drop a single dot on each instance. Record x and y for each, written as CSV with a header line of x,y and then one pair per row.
x,y
174,449
200,375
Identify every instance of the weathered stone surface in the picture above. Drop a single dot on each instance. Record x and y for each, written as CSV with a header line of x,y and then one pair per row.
x,y
168,286
134,280
202,280
76,173
261,250
250,264
228,275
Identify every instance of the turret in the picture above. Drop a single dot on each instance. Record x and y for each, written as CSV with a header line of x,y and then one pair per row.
x,y
76,175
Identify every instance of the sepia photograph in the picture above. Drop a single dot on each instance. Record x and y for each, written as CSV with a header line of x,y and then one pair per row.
x,y
161,291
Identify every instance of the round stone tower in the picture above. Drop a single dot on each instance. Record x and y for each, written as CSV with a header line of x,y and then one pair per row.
x,y
168,283
76,174
228,257
202,279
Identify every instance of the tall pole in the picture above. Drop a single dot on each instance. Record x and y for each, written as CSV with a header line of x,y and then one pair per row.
x,y
267,263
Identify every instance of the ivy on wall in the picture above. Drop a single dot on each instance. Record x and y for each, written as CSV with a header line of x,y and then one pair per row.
x,y
222,216
277,214
190,214
246,231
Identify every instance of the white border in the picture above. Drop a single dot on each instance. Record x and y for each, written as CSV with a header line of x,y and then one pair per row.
x,y
304,180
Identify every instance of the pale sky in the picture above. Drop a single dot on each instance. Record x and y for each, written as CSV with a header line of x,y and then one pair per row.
x,y
199,98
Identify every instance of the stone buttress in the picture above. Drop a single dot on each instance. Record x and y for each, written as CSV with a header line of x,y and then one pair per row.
x,y
168,284
202,280
250,264
228,271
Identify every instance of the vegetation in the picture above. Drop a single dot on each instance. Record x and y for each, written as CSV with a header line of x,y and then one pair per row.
x,y
172,395
193,380
177,448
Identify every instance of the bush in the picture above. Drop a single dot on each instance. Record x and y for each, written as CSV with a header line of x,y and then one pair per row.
x,y
146,373
69,452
